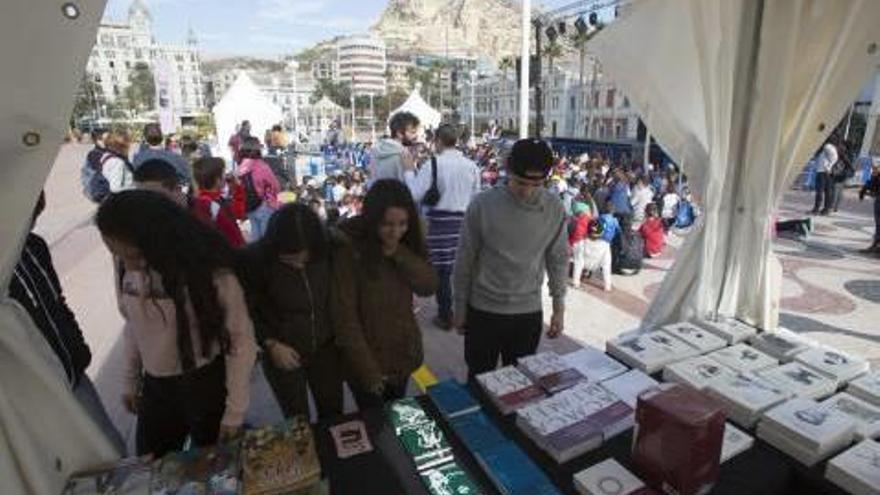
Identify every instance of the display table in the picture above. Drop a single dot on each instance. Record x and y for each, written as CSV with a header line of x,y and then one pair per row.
x,y
761,470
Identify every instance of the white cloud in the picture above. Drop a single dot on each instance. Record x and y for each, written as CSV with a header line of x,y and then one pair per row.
x,y
304,13
269,39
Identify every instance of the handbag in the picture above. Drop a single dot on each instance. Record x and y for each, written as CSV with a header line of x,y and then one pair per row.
x,y
432,197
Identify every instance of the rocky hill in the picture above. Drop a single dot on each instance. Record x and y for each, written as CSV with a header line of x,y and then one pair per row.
x,y
482,28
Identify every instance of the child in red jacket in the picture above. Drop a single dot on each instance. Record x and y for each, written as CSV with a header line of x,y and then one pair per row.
x,y
653,232
211,206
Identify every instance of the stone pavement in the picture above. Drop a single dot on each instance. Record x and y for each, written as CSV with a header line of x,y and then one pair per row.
x,y
830,291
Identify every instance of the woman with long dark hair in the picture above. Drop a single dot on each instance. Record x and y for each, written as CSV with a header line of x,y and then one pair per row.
x,y
377,273
188,337
289,288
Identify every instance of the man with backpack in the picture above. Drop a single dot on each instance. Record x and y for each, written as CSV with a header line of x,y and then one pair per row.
x,y
109,172
261,187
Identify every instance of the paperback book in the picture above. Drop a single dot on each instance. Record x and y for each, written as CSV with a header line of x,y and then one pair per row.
x,y
835,364
448,479
745,397
607,477
729,329
629,385
650,352
782,344
800,380
419,434
452,398
815,431
279,458
509,389
735,443
866,387
477,431
858,469
866,416
129,476
696,336
696,372
743,358
594,364
550,372
513,472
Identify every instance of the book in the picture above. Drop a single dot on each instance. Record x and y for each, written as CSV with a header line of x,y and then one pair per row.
x,y
549,371
650,352
834,364
477,431
866,387
866,416
743,358
452,398
729,329
782,344
279,458
448,479
509,389
350,439
746,396
606,477
129,476
594,364
696,372
816,431
736,442
208,470
800,380
513,472
419,434
406,412
857,470
629,385
698,337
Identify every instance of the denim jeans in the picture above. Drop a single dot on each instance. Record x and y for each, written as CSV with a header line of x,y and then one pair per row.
x,y
259,220
444,291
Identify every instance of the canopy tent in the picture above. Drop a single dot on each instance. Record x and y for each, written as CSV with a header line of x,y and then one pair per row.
x,y
244,101
44,433
417,106
741,93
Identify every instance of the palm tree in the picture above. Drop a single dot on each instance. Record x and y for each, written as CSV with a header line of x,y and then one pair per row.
x,y
580,39
505,64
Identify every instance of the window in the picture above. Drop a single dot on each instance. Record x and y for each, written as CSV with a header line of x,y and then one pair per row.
x,y
625,102
115,90
122,41
138,53
609,100
192,58
110,54
196,80
111,64
127,64
178,58
106,40
97,78
595,99
572,103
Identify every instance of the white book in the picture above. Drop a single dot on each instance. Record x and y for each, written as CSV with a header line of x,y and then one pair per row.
x,y
859,468
594,364
549,371
629,385
746,396
509,389
650,352
782,344
565,408
696,336
866,387
743,358
866,415
836,364
607,477
696,372
815,426
800,380
729,329
735,443
782,441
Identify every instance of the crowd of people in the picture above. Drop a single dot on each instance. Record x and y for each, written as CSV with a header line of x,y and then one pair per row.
x,y
219,265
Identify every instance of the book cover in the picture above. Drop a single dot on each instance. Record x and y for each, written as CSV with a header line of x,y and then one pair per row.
x,y
629,385
819,427
696,372
452,398
477,431
860,466
736,442
743,358
406,412
866,387
651,351
607,477
549,371
594,364
510,388
279,458
208,471
730,329
513,472
750,391
350,439
448,479
782,344
700,338
129,476
835,364
867,416
425,444
800,380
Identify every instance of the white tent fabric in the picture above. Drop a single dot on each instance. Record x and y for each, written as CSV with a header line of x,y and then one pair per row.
x,y
417,106
244,101
741,93
44,433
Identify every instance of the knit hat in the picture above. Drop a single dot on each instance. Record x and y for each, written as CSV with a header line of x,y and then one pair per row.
x,y
531,155
579,207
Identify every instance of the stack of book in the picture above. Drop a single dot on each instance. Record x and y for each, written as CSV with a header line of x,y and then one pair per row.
x,y
743,358
745,397
279,458
513,472
594,364
736,442
509,389
782,344
419,434
574,421
129,476
806,430
729,329
800,380
452,399
696,372
550,371
834,364
866,416
698,337
629,385
858,469
866,387
607,477
650,352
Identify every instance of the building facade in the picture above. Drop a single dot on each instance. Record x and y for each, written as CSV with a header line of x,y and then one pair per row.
x,y
361,62
120,47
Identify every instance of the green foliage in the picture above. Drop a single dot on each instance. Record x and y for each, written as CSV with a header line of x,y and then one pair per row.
x,y
140,94
86,100
339,93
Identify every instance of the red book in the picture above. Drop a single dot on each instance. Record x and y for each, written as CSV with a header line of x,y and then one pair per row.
x,y
677,445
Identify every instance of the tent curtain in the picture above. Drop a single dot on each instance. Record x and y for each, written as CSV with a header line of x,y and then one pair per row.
x,y
742,93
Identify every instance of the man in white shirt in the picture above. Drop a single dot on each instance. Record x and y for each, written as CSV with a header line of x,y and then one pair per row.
x,y
458,181
825,161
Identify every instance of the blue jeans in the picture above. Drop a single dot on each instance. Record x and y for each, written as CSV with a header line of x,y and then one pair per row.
x,y
259,220
88,398
444,291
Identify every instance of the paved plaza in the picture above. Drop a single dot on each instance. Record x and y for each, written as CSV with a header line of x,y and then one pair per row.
x,y
831,293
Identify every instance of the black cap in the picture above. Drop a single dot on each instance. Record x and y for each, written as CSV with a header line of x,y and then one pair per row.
x,y
530,157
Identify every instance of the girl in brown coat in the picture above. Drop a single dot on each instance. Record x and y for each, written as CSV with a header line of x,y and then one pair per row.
x,y
377,272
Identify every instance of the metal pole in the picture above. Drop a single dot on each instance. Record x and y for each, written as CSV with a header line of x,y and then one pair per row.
x,y
353,121
524,70
646,163
473,104
372,121
848,122
539,121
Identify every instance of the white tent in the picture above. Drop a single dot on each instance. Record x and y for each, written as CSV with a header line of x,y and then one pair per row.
x,y
417,106
741,92
244,101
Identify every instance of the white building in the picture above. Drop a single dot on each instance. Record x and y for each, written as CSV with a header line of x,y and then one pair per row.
x,y
362,63
120,46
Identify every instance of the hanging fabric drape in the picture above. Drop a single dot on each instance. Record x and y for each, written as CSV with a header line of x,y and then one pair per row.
x,y
742,92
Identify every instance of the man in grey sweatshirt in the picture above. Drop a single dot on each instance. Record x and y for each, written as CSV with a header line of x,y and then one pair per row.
x,y
391,157
512,234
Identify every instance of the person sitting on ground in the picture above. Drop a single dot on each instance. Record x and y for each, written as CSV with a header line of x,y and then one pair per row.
x,y
631,250
211,206
653,232
593,254
642,196
670,205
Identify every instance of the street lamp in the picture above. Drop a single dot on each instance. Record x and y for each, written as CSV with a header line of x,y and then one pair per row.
x,y
293,66
473,75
